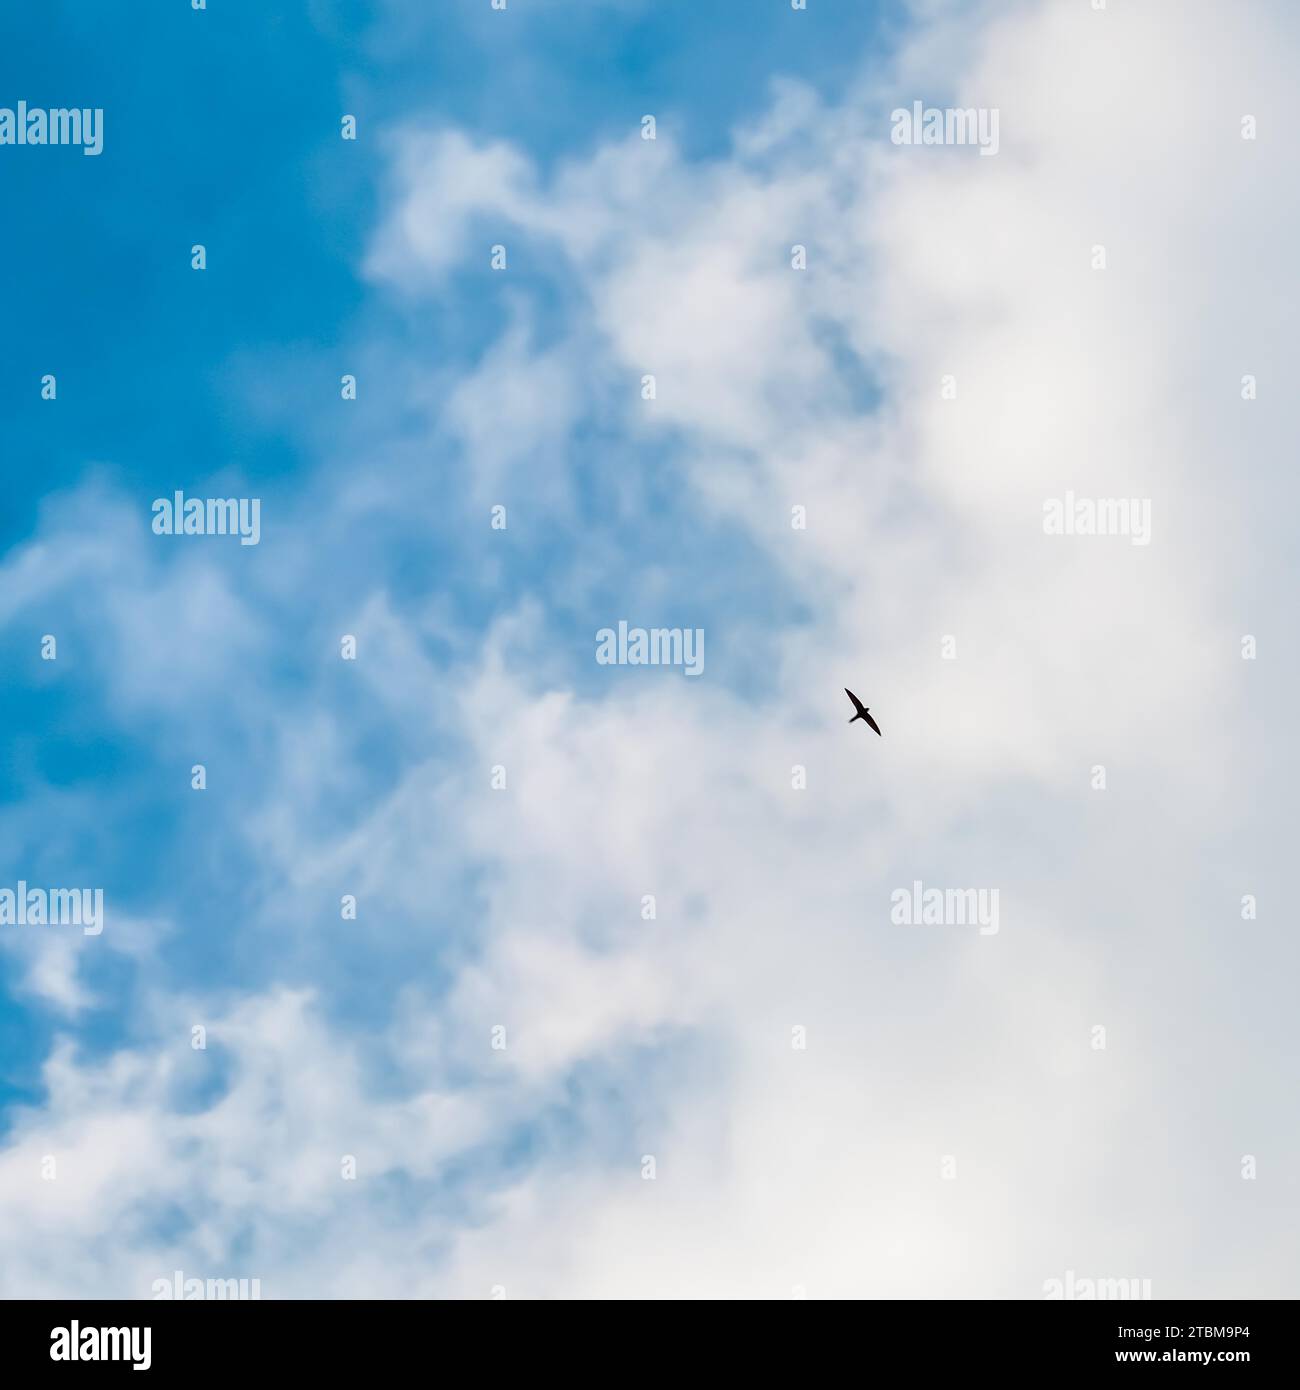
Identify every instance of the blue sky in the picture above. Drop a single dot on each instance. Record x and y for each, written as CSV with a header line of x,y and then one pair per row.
x,y
222,128
522,907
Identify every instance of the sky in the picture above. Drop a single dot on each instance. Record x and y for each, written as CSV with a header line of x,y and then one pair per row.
x,y
626,1009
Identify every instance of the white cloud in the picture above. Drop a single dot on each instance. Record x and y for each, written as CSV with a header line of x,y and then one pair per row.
x,y
924,520
671,1037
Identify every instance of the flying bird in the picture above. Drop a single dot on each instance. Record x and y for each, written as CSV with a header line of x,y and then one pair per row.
x,y
862,711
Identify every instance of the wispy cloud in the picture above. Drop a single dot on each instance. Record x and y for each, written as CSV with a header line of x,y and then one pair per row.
x,y
605,915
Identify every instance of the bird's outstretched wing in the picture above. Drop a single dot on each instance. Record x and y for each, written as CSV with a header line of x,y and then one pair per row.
x,y
872,722
857,704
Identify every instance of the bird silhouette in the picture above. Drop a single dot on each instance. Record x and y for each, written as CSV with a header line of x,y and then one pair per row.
x,y
862,711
